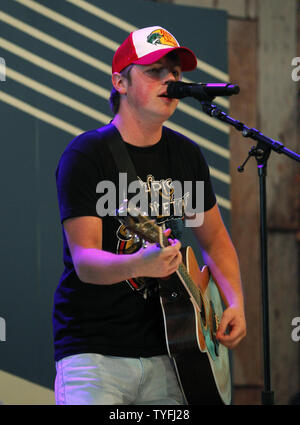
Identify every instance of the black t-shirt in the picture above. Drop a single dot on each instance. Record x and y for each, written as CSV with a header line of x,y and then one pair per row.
x,y
115,319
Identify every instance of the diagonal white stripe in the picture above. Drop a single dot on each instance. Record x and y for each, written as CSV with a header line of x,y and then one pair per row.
x,y
63,125
223,202
105,16
199,115
200,140
57,96
66,48
108,17
19,391
75,79
84,109
53,68
38,113
95,36
70,23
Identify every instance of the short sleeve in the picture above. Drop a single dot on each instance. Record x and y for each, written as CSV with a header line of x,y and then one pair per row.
x,y
76,180
203,174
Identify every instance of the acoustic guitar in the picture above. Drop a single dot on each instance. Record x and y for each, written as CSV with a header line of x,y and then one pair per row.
x,y
192,309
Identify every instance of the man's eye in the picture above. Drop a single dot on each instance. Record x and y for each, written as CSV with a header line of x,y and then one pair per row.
x,y
161,72
154,70
177,73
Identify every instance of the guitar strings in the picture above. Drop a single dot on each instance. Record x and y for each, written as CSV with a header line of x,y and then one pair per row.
x,y
148,222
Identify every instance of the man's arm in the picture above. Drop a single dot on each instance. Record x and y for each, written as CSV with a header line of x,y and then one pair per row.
x,y
94,265
219,254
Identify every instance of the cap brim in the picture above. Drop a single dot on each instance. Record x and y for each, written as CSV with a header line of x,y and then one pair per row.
x,y
188,60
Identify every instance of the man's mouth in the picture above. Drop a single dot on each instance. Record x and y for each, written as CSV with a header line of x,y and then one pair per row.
x,y
164,95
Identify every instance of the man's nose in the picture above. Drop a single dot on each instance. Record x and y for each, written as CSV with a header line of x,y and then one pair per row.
x,y
169,77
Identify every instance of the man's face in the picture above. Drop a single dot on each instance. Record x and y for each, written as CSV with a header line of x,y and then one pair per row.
x,y
147,87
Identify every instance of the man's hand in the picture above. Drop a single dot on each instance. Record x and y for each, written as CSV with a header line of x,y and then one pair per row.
x,y
154,261
232,328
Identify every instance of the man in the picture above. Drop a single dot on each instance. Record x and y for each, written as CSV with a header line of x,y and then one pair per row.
x,y
109,335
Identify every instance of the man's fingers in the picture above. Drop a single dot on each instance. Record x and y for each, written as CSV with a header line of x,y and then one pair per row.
x,y
175,243
167,232
176,260
223,325
230,341
232,323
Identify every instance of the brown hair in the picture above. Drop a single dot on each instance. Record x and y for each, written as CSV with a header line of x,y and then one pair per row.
x,y
115,97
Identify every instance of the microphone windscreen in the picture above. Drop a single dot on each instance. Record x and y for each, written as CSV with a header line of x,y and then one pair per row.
x,y
178,89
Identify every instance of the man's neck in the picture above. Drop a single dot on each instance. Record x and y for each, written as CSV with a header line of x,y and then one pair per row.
x,y
137,132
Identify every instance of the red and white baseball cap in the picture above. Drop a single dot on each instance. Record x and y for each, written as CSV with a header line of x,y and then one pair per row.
x,y
147,45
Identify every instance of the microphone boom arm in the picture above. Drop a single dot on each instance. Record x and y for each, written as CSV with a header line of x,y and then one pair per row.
x,y
254,134
261,152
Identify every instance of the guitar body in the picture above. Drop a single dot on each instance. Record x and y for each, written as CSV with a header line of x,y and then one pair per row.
x,y
192,309
201,363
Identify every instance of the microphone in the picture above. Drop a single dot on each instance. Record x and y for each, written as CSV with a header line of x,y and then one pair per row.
x,y
201,91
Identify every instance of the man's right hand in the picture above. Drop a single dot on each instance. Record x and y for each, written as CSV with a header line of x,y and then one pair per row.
x,y
154,261
94,265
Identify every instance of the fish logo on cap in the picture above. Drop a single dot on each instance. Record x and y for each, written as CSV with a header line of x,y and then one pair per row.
x,y
161,36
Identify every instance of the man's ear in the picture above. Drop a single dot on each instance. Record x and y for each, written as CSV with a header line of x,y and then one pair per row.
x,y
119,82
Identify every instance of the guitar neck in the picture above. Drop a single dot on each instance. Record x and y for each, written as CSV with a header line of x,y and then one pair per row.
x,y
155,234
192,288
194,291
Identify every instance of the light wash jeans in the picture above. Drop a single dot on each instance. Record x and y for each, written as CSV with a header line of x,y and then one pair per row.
x,y
96,379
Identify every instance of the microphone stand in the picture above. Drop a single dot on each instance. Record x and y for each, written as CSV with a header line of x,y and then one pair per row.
x,y
261,152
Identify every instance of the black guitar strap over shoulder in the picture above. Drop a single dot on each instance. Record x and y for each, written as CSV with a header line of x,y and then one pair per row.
x,y
124,164
120,154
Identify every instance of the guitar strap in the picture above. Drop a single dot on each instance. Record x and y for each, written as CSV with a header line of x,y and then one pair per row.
x,y
123,160
119,152
124,164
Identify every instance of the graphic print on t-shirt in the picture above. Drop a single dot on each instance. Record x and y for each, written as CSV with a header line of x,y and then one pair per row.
x,y
165,201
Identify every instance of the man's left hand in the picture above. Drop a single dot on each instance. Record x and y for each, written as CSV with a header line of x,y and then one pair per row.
x,y
232,328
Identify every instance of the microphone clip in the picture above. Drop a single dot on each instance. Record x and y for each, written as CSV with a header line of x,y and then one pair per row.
x,y
252,152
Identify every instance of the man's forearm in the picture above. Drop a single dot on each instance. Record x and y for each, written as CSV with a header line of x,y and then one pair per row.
x,y
224,266
220,255
103,267
100,267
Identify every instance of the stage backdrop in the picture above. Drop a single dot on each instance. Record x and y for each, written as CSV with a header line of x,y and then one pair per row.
x,y
55,82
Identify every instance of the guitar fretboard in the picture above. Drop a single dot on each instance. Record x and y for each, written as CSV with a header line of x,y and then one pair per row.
x,y
194,290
